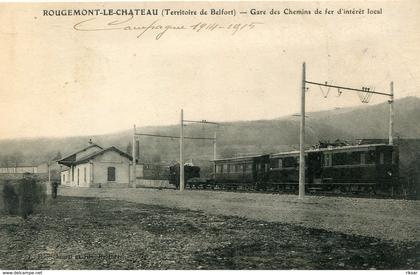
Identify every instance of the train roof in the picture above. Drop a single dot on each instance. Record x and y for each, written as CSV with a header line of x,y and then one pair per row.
x,y
362,147
241,158
330,149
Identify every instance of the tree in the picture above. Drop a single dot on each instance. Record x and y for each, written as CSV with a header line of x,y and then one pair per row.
x,y
16,158
227,152
57,156
129,148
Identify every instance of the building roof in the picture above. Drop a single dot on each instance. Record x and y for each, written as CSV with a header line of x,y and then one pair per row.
x,y
71,159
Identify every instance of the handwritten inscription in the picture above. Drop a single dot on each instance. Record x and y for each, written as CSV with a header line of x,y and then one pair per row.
x,y
159,29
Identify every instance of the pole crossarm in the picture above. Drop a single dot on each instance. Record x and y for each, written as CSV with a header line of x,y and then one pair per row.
x,y
166,136
201,121
347,88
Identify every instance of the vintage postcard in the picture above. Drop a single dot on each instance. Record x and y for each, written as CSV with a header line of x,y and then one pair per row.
x,y
185,135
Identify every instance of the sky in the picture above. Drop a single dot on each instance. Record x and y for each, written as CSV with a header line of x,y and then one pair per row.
x,y
58,81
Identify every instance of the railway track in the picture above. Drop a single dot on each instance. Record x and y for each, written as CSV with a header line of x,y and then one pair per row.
x,y
314,193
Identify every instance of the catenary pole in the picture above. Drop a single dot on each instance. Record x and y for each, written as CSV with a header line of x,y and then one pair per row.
x,y
391,114
302,135
181,153
215,146
133,169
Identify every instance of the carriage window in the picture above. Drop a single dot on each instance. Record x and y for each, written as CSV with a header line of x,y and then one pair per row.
x,y
381,158
355,158
280,163
370,157
327,160
362,158
289,162
274,163
388,158
225,168
340,159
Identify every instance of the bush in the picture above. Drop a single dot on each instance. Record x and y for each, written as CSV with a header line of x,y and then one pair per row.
x,y
23,197
10,199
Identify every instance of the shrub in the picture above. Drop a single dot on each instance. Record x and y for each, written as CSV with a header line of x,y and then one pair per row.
x,y
10,199
30,194
23,197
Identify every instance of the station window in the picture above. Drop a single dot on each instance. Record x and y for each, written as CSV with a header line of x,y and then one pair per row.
x,y
219,169
225,168
111,173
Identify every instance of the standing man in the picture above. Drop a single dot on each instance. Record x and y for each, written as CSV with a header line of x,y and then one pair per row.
x,y
54,189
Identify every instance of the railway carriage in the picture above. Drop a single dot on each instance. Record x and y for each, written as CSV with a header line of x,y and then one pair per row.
x,y
243,172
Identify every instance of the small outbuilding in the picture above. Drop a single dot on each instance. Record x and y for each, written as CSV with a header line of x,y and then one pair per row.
x,y
94,166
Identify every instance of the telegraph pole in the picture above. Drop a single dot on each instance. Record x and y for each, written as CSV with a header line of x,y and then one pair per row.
x,y
133,170
302,135
391,114
49,172
215,146
181,153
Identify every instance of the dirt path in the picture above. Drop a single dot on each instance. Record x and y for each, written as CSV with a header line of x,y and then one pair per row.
x,y
396,220
93,233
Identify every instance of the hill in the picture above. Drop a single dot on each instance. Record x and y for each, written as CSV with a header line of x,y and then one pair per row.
x,y
240,137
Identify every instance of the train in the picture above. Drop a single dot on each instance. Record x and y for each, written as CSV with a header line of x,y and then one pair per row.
x,y
370,167
361,168
190,172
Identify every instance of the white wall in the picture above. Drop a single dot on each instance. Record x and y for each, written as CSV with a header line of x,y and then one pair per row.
x,y
79,179
111,159
65,178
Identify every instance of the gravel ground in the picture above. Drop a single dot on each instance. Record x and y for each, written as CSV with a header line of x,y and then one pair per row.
x,y
396,220
94,233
